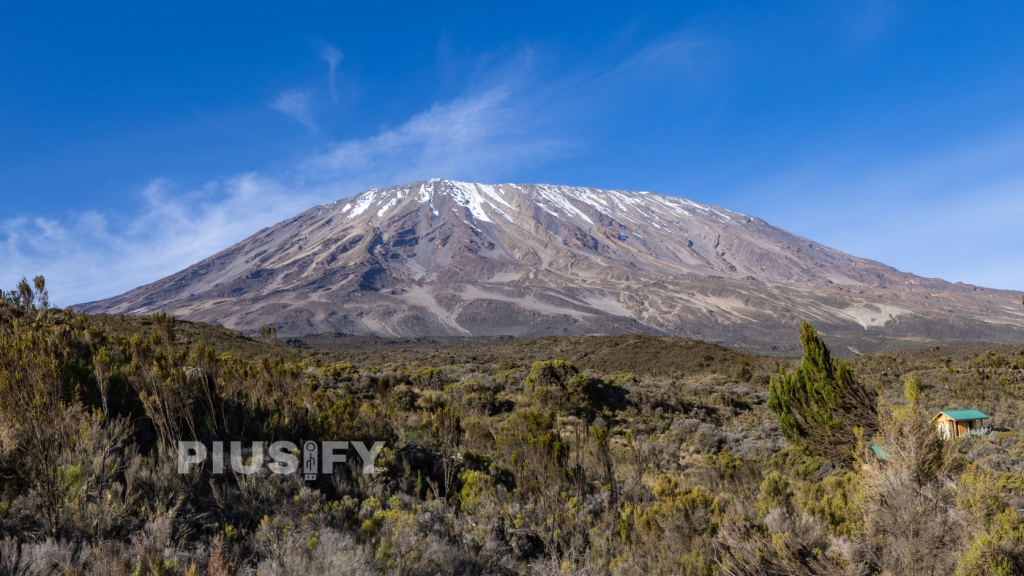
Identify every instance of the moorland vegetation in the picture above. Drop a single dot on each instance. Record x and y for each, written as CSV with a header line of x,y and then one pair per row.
x,y
600,455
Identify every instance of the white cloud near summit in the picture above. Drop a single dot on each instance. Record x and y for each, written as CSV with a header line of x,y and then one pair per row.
x,y
482,136
499,125
90,256
509,121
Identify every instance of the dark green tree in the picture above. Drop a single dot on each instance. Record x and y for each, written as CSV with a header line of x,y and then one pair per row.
x,y
820,404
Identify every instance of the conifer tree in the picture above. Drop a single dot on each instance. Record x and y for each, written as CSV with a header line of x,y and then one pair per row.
x,y
820,404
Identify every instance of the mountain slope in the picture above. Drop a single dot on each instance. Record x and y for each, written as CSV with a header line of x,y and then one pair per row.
x,y
450,258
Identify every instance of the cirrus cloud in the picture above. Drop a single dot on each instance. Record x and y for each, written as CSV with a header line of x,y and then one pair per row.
x,y
88,256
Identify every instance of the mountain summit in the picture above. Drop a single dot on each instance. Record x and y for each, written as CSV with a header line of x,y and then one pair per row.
x,y
441,257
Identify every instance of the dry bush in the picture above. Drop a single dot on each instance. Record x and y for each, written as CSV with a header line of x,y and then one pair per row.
x,y
222,561
289,551
908,498
785,545
44,558
535,467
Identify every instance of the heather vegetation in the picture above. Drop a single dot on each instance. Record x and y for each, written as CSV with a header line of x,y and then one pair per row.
x,y
611,455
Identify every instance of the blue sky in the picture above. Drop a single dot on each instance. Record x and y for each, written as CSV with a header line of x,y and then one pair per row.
x,y
138,138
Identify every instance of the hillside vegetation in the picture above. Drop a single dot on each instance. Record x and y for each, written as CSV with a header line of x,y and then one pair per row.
x,y
561,455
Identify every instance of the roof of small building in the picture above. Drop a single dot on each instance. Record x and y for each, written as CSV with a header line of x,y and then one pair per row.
x,y
964,414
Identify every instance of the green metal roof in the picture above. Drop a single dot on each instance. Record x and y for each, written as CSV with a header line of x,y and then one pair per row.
x,y
965,414
880,452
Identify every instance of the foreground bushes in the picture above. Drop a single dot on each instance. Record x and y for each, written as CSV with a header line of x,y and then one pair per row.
x,y
494,467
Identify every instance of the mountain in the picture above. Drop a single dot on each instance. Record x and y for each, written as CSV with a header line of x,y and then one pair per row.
x,y
441,257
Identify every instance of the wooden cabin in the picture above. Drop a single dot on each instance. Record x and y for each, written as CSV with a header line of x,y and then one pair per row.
x,y
953,424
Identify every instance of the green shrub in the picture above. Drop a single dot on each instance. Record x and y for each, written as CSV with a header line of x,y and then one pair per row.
x,y
820,404
550,374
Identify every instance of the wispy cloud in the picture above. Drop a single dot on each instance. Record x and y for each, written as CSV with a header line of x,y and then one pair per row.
x,y
684,53
949,214
332,56
483,135
296,104
506,121
92,255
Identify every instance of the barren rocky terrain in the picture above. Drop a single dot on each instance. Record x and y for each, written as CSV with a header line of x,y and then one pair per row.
x,y
445,258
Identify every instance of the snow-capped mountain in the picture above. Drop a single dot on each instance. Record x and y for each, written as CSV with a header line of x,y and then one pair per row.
x,y
452,258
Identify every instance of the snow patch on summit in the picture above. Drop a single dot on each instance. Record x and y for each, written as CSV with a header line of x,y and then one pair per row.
x,y
557,196
363,202
474,196
427,196
386,207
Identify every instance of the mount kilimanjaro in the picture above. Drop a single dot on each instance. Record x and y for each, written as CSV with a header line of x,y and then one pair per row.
x,y
446,258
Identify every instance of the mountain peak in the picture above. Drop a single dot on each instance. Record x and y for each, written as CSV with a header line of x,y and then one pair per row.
x,y
483,201
444,257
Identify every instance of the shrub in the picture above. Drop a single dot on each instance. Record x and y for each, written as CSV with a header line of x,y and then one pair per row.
x,y
821,403
550,374
429,377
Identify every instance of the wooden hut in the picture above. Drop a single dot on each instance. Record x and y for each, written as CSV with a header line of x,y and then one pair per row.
x,y
955,423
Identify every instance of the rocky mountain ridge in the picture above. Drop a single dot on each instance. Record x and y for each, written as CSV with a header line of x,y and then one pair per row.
x,y
441,257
